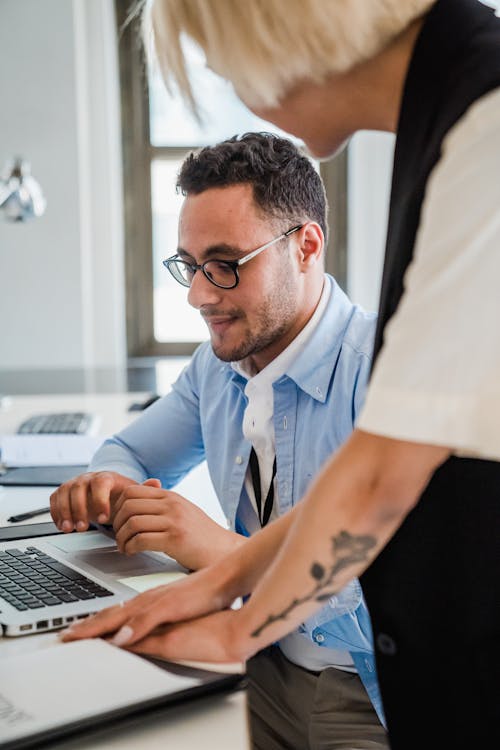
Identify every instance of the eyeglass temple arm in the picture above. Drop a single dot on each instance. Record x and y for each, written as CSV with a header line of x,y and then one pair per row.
x,y
268,244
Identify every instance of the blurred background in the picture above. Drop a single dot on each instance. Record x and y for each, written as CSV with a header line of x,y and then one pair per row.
x,y
85,304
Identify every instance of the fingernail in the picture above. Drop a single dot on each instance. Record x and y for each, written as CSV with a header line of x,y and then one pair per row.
x,y
81,526
64,632
102,518
123,636
67,526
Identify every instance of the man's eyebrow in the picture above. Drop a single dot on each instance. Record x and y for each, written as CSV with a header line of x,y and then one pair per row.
x,y
221,251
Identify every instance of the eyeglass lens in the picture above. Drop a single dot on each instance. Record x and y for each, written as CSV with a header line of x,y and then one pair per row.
x,y
217,271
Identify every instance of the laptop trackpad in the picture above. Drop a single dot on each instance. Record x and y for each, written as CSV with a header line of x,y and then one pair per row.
x,y
100,551
79,542
112,562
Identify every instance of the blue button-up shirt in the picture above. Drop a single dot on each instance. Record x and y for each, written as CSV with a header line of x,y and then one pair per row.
x,y
315,406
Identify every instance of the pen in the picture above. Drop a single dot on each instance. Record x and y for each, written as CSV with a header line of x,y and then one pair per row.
x,y
30,514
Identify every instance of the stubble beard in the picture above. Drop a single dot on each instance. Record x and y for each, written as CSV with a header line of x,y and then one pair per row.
x,y
272,322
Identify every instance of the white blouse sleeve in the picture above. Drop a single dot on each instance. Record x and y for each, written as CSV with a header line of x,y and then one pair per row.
x,y
437,377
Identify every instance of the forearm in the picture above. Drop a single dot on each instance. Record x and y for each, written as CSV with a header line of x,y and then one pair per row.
x,y
238,572
351,511
114,456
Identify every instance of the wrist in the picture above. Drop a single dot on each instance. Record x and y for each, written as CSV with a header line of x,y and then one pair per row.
x,y
242,645
229,542
223,581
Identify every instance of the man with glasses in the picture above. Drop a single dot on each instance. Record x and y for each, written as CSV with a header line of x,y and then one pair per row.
x,y
265,403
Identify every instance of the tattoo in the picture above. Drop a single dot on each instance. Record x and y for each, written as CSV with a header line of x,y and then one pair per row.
x,y
346,550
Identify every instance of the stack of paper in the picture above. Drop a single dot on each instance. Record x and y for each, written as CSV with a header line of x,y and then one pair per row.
x,y
48,450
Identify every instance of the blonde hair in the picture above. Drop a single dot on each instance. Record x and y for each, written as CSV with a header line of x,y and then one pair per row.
x,y
264,47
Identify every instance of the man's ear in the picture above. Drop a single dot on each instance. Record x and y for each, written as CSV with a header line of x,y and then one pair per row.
x,y
312,242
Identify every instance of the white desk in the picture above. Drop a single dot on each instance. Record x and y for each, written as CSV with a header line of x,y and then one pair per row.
x,y
212,723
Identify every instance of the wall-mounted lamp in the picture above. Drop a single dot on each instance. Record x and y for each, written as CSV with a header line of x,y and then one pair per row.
x,y
21,196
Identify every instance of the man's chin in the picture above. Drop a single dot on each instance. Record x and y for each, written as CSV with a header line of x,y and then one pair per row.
x,y
224,355
229,354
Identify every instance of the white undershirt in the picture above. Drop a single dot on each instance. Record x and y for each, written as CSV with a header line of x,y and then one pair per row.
x,y
258,428
437,378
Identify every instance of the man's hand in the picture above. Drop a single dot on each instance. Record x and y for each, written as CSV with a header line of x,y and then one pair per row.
x,y
150,518
87,497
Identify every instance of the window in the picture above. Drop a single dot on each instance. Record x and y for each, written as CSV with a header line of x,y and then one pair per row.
x,y
158,132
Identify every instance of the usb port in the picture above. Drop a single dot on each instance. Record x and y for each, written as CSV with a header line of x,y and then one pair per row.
x,y
57,621
41,624
23,628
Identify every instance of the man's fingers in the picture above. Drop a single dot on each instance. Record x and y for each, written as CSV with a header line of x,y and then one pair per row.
x,y
137,491
146,542
78,502
138,525
61,506
101,486
56,500
152,483
84,498
128,508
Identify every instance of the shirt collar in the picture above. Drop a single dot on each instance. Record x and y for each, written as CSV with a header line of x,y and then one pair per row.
x,y
280,364
318,345
312,372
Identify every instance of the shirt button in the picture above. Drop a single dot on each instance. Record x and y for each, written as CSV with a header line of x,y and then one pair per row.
x,y
319,391
238,460
319,638
386,644
332,601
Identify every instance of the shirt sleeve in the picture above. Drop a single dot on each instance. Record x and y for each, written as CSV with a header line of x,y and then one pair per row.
x,y
164,442
437,377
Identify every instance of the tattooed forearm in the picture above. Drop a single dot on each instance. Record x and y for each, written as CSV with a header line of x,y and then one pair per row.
x,y
346,550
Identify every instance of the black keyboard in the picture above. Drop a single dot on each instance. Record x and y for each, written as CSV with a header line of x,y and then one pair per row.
x,y
30,579
60,423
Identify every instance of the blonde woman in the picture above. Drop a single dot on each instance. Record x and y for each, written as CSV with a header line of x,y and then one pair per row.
x,y
410,501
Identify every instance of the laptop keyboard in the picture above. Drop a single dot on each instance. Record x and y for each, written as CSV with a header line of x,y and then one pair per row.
x,y
62,423
30,579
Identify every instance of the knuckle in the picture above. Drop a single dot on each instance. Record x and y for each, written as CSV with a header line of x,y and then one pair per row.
x,y
127,494
134,524
101,477
78,483
130,547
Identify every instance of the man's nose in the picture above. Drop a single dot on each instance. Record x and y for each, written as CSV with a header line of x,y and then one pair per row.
x,y
202,291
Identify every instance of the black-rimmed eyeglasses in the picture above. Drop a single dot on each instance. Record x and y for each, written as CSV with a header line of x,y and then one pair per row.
x,y
222,273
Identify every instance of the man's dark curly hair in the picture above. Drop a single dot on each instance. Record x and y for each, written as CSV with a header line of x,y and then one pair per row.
x,y
284,181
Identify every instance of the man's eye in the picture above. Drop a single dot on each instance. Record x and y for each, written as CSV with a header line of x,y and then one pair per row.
x,y
220,266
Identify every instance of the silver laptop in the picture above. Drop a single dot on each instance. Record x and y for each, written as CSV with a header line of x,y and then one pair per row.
x,y
48,582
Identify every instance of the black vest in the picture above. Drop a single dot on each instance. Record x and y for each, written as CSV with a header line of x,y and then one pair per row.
x,y
434,593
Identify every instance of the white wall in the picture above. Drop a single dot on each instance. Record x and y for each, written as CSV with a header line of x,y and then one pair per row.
x,y
61,276
369,174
